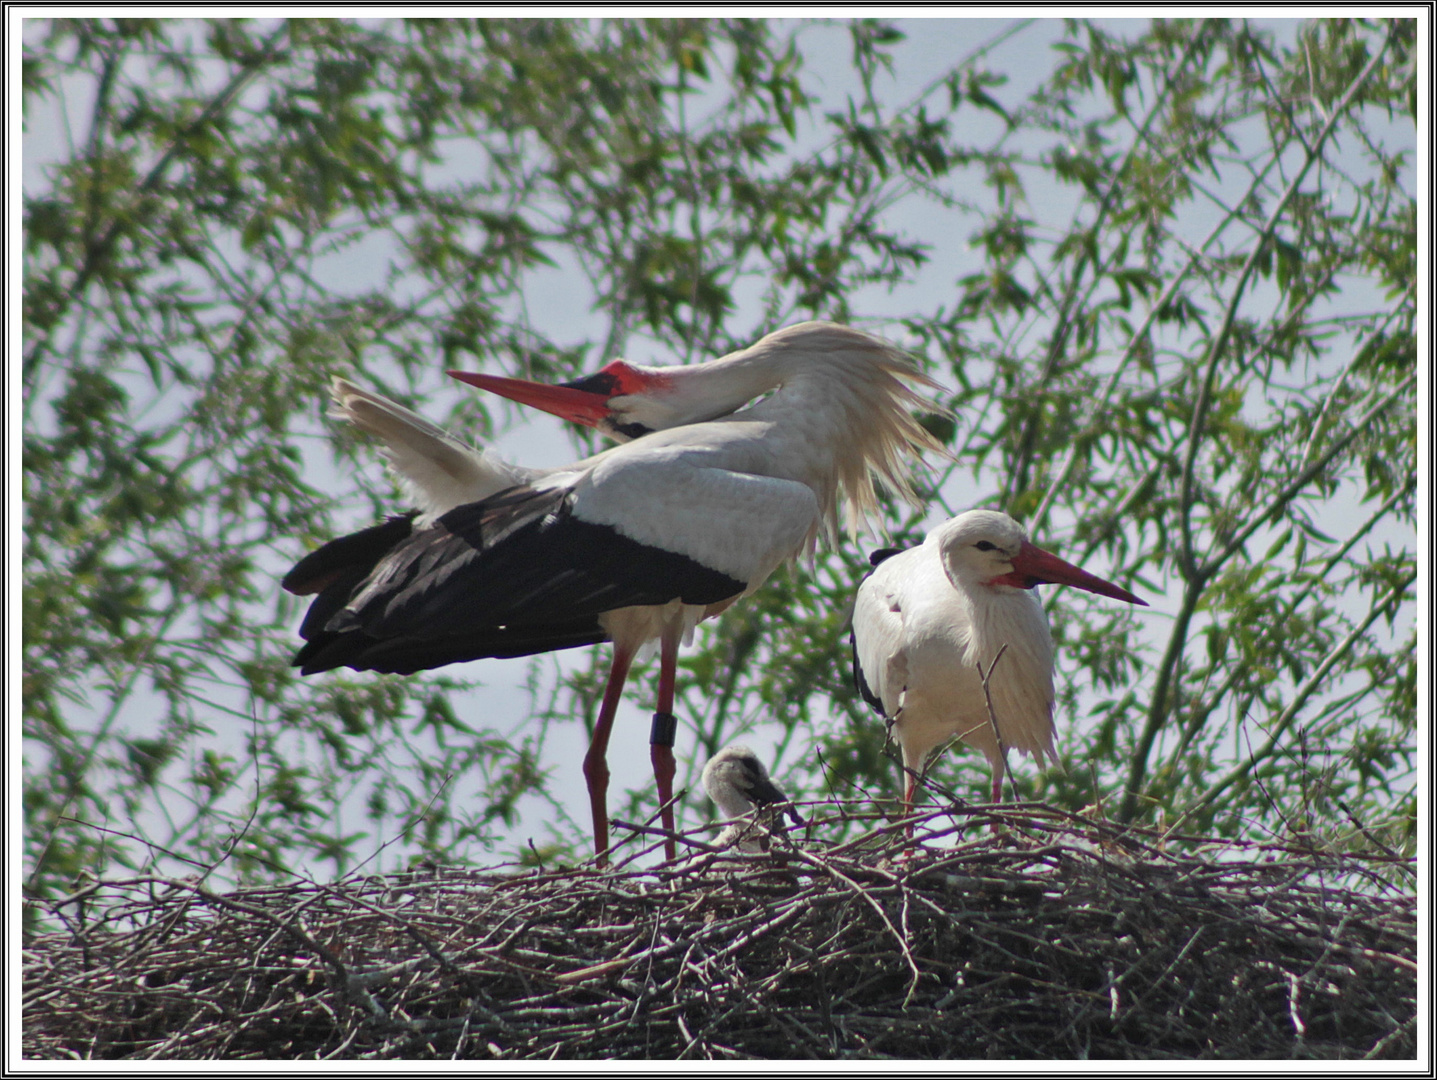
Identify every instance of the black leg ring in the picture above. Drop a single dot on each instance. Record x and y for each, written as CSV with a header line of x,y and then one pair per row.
x,y
665,728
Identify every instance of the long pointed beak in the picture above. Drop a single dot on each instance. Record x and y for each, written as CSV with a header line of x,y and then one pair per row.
x,y
576,405
1040,567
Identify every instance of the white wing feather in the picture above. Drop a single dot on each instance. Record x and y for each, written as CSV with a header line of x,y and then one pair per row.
x,y
737,523
438,471
880,634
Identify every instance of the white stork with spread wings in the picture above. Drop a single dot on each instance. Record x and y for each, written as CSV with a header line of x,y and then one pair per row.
x,y
639,542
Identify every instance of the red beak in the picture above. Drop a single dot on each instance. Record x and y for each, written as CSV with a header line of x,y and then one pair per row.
x,y
576,405
1034,566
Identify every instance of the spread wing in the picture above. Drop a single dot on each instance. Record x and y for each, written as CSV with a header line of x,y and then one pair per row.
x,y
335,569
439,471
531,568
511,575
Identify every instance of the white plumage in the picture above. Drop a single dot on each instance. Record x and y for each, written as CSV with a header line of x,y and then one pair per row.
x,y
638,542
437,471
928,619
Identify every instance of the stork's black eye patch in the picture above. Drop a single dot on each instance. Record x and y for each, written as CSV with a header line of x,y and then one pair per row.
x,y
985,545
632,431
604,383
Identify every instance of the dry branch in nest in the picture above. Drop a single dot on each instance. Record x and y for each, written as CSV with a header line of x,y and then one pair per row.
x,y
1050,937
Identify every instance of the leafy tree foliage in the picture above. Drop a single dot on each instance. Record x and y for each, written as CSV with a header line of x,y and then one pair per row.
x,y
1180,341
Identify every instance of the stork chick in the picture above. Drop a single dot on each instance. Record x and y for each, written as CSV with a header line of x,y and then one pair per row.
x,y
736,780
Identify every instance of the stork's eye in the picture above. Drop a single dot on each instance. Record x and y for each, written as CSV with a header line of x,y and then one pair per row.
x,y
985,545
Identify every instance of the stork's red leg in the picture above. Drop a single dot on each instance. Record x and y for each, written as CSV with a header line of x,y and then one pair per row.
x,y
661,737
908,793
596,767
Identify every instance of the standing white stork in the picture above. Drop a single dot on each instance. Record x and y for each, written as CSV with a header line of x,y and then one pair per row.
x,y
639,542
738,783
927,619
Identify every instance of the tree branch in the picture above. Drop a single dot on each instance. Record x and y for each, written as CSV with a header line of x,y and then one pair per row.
x,y
1391,599
98,250
1063,321
1197,577
1187,557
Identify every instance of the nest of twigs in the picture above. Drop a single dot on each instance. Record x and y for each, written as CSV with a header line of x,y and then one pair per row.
x,y
1049,937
